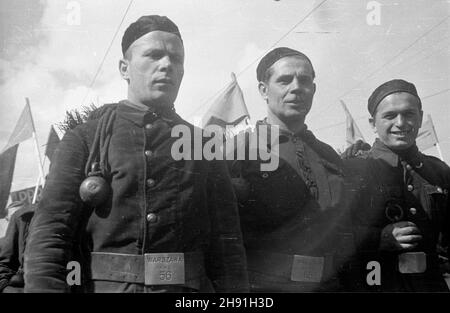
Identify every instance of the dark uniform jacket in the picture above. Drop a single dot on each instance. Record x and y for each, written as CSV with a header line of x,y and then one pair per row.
x,y
294,218
12,248
388,188
157,205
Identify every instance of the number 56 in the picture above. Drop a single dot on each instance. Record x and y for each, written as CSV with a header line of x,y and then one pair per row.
x,y
165,275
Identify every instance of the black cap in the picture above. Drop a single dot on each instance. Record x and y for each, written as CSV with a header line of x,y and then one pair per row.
x,y
278,53
147,24
390,87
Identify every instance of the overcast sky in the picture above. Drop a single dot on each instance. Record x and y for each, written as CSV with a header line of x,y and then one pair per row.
x,y
50,54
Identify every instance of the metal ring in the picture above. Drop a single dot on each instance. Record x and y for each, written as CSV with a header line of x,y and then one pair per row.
x,y
394,212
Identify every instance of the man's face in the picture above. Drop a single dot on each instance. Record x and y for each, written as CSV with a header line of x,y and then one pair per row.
x,y
397,120
290,89
154,68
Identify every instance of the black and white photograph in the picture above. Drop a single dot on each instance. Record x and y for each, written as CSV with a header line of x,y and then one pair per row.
x,y
225,151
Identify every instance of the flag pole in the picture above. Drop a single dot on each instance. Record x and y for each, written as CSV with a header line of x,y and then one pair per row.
x,y
438,147
344,106
40,166
439,151
36,189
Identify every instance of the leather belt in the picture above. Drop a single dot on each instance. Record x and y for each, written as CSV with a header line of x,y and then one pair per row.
x,y
131,268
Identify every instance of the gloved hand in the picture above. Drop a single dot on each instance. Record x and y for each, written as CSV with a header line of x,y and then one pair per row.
x,y
400,236
355,149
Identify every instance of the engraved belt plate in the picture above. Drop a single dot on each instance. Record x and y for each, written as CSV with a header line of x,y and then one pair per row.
x,y
164,269
412,262
307,268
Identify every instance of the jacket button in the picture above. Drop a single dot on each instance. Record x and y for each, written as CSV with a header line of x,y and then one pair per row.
x,y
413,211
148,126
152,218
148,153
408,167
410,187
150,182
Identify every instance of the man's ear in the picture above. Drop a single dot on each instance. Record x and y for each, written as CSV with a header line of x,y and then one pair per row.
x,y
123,69
314,86
262,87
372,123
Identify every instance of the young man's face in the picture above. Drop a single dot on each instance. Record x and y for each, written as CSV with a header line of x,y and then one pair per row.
x,y
154,68
290,89
397,120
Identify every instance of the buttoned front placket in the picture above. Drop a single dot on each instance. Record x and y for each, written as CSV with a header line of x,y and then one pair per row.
x,y
411,187
151,216
292,149
305,166
162,218
419,209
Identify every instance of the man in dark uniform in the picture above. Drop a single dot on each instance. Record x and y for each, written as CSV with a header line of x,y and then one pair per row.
x,y
401,214
293,218
12,247
165,225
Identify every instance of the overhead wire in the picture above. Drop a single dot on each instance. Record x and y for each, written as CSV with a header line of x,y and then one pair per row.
x,y
383,65
255,60
107,52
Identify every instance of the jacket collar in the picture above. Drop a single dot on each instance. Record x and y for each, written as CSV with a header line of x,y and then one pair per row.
x,y
141,115
327,154
411,155
285,134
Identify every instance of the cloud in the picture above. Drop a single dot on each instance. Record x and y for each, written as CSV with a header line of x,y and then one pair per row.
x,y
42,59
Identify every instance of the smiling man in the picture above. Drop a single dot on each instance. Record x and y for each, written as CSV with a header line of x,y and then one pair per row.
x,y
402,209
116,200
293,218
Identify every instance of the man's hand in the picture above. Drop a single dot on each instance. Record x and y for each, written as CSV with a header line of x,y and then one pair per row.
x,y
400,236
355,149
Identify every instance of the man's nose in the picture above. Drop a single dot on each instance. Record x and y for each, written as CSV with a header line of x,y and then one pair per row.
x,y
400,120
296,86
165,63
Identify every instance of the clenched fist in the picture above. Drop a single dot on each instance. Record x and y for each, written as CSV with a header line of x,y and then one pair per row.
x,y
400,236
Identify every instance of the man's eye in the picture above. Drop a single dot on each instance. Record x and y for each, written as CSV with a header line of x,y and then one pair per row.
x,y
285,80
154,55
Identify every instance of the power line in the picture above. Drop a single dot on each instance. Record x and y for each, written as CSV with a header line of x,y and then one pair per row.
x,y
395,56
252,63
426,56
384,65
340,123
284,36
106,53
435,94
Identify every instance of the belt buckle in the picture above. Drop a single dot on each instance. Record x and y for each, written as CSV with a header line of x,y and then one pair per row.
x,y
412,262
307,268
164,269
